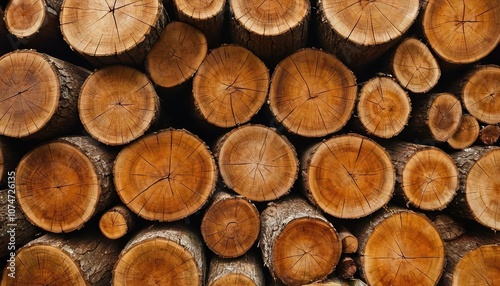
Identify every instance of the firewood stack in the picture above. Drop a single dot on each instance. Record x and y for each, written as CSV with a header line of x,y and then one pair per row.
x,y
247,142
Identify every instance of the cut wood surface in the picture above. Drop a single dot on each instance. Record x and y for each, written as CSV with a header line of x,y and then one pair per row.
x,y
30,19
312,93
243,271
271,29
478,196
117,222
177,55
466,134
298,244
231,225
400,247
230,86
165,254
383,107
39,95
462,31
481,93
426,177
63,183
79,259
208,16
348,176
489,134
257,163
349,241
359,32
110,32
414,66
118,104
166,175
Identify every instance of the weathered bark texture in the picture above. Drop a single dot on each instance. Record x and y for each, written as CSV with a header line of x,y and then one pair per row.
x,y
245,270
466,134
117,222
63,183
448,227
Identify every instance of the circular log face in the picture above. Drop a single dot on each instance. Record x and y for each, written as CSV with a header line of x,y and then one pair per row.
x,y
156,262
370,23
482,189
430,179
462,31
466,134
257,163
117,104
304,251
57,187
350,176
444,116
481,94
235,279
480,267
269,18
30,96
165,176
199,9
45,265
113,225
312,93
24,18
404,249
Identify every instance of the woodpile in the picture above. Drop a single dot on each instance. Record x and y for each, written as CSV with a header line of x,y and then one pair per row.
x,y
245,142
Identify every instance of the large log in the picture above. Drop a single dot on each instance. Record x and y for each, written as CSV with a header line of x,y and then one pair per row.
x,y
165,254
231,225
298,244
44,103
166,175
256,162
312,93
466,134
63,183
230,86
118,104
245,270
112,32
348,176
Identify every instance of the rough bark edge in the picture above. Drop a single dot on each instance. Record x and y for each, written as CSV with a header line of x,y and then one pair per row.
x,y
247,265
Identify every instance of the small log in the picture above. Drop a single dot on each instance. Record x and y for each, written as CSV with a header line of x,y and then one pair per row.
x,y
346,268
117,105
349,241
414,66
435,117
480,93
466,134
166,175
461,32
426,177
117,222
312,93
298,244
257,163
208,16
177,55
231,225
477,196
165,254
383,107
230,86
400,247
489,134
360,32
270,29
348,176
9,158
112,33
80,259
245,270
44,103
63,183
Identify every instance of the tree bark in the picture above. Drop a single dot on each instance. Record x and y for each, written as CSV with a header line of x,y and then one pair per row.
x,y
230,225
165,254
312,93
245,270
117,222
298,244
448,227
9,158
44,105
489,134
121,112
63,183
166,175
348,176
257,163
467,133
106,34
349,241
346,268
